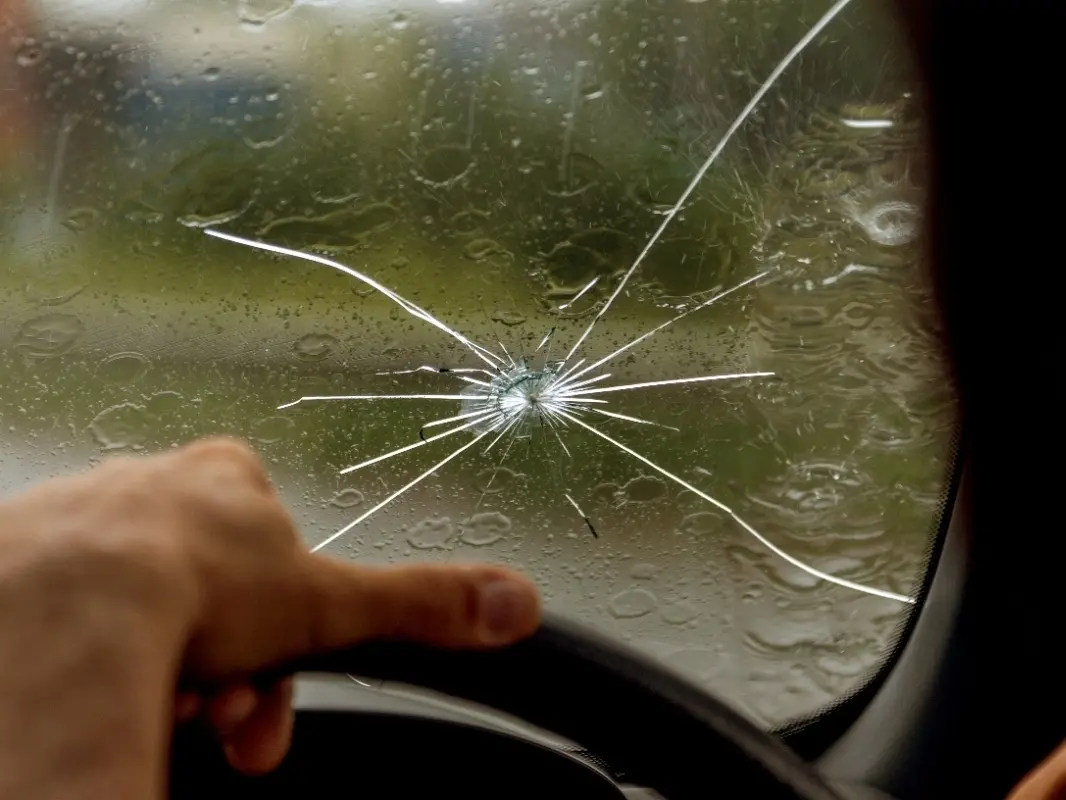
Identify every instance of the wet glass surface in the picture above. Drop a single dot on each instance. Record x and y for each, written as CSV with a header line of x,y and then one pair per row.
x,y
503,168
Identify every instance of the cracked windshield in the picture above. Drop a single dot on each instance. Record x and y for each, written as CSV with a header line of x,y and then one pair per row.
x,y
625,294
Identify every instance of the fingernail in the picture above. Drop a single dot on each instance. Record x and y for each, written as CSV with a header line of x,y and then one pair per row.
x,y
506,610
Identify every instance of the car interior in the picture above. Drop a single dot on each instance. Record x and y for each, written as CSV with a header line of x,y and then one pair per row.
x,y
955,694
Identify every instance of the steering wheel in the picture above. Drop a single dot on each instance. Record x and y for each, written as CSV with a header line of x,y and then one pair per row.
x,y
648,723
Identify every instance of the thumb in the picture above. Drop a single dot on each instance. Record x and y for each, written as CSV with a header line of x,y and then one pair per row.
x,y
441,605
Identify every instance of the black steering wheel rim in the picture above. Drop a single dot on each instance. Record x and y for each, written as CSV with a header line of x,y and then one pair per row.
x,y
666,733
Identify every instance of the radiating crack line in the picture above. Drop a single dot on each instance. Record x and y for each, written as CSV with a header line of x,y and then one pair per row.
x,y
481,352
807,38
817,573
399,492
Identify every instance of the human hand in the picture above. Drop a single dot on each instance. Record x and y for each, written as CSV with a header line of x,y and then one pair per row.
x,y
1047,781
117,583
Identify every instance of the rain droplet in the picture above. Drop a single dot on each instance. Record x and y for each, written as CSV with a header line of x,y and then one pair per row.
x,y
207,219
29,55
679,613
81,219
644,489
701,523
272,429
347,498
632,603
369,219
315,346
494,481
570,267
55,287
445,165
165,402
124,426
484,529
508,317
48,336
607,493
481,249
212,73
259,12
468,222
700,663
643,572
431,534
123,367
265,133
893,224
605,241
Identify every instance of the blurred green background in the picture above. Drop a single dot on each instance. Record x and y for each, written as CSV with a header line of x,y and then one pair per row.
x,y
487,161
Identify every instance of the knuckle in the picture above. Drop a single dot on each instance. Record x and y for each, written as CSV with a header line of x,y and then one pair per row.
x,y
225,453
223,447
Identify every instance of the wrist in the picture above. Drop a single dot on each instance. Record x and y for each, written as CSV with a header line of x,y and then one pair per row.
x,y
91,634
84,715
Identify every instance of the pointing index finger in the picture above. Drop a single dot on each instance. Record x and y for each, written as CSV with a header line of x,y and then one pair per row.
x,y
442,605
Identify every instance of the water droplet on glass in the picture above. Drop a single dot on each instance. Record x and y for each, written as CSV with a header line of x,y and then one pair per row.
x,y
165,403
123,367
468,222
259,12
632,603
445,165
508,317
212,73
485,528
893,224
699,663
605,241
644,489
570,267
265,132
643,572
123,426
315,346
207,219
581,173
53,287
48,336
81,219
494,481
347,498
344,228
431,534
679,613
702,523
272,429
608,493
29,55
482,249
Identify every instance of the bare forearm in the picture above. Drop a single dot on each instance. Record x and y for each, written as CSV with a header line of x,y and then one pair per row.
x,y
84,713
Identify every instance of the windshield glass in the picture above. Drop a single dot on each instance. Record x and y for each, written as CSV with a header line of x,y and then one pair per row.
x,y
625,294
